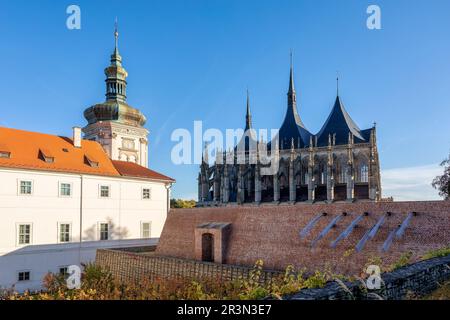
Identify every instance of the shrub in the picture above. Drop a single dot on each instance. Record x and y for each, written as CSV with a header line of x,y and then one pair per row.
x,y
99,284
436,253
404,260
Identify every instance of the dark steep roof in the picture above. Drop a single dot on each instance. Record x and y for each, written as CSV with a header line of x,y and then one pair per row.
x,y
293,128
249,137
340,124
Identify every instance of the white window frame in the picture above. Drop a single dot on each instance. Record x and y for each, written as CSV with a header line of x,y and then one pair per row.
x,y
150,193
59,232
59,189
149,230
100,231
23,271
19,182
100,191
61,267
18,224
364,173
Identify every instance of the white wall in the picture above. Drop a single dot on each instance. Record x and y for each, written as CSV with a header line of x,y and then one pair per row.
x,y
124,210
42,259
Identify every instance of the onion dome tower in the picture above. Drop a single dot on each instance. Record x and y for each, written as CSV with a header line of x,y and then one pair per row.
x,y
116,125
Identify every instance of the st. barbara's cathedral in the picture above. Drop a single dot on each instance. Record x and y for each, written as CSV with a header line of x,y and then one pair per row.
x,y
339,163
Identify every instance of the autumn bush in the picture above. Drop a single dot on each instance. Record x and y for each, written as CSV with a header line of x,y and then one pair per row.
x,y
99,284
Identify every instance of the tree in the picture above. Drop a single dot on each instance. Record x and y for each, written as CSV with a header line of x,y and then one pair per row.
x,y
442,183
179,203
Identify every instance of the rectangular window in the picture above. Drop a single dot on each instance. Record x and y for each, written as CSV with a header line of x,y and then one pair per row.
x,y
146,193
64,232
104,191
146,230
63,271
23,276
104,231
5,154
24,234
26,187
65,189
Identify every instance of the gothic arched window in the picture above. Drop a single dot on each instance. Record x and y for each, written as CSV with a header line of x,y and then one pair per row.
x,y
364,173
322,174
340,172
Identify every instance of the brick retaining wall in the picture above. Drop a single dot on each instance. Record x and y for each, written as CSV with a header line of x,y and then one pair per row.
x,y
132,266
271,233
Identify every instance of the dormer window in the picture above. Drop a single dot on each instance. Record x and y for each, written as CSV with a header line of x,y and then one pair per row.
x,y
5,154
91,161
46,156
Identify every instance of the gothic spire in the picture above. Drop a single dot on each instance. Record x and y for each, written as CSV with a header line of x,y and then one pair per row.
x,y
337,86
292,126
248,116
291,92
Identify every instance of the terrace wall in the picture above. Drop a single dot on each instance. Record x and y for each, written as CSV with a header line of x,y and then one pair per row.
x,y
271,233
136,266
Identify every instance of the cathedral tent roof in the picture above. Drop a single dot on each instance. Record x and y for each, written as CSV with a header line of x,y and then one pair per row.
x,y
340,124
293,128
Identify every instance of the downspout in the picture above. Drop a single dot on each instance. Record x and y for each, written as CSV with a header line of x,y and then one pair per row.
x,y
120,212
81,220
168,187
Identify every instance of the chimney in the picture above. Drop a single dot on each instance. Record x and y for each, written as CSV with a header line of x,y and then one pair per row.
x,y
77,137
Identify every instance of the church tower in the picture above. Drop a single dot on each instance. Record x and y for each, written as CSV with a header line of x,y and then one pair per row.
x,y
116,125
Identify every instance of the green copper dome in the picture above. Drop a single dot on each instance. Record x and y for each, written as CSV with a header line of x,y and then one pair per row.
x,y
115,108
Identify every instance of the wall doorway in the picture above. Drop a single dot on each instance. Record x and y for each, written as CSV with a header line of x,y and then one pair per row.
x,y
208,247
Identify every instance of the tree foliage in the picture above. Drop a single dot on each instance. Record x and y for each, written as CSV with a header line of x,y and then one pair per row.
x,y
179,203
442,183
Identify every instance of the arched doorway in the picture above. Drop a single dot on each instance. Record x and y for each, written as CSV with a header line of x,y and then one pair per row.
x,y
208,247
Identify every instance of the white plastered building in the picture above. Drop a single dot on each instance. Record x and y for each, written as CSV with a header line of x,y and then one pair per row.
x,y
63,198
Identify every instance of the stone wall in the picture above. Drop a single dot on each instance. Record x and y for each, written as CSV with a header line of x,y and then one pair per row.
x,y
132,266
418,279
271,233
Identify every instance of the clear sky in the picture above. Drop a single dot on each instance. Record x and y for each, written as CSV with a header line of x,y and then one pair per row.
x,y
193,60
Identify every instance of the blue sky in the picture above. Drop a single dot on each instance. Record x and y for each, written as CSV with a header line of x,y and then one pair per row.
x,y
193,60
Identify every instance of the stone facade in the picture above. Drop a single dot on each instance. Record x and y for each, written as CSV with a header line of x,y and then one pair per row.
x,y
418,279
339,163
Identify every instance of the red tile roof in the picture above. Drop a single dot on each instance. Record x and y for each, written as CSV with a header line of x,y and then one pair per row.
x,y
25,148
130,169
